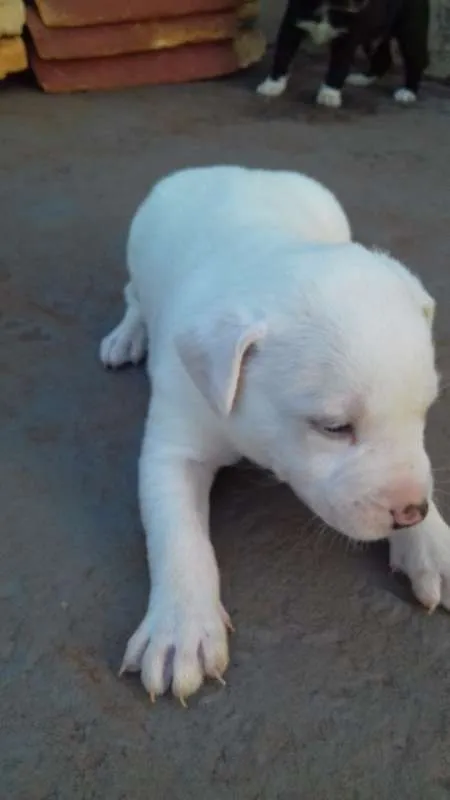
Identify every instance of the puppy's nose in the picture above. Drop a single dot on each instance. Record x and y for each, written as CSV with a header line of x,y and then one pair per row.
x,y
409,515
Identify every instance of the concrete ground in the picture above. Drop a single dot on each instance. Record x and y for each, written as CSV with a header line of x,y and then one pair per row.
x,y
339,684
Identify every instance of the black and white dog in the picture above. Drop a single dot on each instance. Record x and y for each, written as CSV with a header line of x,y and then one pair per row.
x,y
348,25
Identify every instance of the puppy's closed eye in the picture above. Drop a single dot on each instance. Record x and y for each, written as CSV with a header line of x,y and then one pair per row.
x,y
336,430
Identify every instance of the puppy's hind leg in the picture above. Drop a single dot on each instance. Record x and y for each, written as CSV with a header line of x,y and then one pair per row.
x,y
127,343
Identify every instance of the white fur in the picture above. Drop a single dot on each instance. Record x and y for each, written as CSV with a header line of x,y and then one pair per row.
x,y
265,324
359,79
273,88
327,96
405,97
321,32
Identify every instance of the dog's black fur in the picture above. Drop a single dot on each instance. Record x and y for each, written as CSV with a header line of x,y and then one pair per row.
x,y
369,24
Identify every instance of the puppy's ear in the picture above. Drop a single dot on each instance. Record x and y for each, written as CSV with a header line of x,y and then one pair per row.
x,y
212,354
415,287
428,310
422,298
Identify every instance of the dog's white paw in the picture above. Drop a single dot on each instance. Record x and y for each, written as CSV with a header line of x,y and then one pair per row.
x,y
426,561
127,343
272,88
178,644
327,96
360,80
405,97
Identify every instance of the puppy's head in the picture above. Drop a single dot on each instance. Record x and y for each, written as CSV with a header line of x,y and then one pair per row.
x,y
329,386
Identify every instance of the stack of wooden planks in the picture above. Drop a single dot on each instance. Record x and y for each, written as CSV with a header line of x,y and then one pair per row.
x,y
106,44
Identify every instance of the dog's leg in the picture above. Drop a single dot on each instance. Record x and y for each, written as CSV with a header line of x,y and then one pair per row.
x,y
287,44
183,636
423,554
380,63
411,32
342,52
128,341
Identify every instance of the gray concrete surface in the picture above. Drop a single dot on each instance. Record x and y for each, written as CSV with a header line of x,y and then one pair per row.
x,y
339,685
439,38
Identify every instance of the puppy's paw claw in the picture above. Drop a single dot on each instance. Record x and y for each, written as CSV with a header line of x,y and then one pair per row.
x,y
226,620
178,645
125,344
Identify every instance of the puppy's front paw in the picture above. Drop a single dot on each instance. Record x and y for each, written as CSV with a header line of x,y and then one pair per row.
x,y
271,87
177,644
426,561
405,97
125,344
327,96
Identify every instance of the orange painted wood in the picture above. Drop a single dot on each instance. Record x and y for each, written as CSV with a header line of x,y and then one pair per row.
x,y
13,56
76,13
177,65
128,37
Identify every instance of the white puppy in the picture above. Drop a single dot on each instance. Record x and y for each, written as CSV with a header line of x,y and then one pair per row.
x,y
272,336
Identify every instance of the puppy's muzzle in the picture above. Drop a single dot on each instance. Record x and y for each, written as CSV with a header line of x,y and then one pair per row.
x,y
410,515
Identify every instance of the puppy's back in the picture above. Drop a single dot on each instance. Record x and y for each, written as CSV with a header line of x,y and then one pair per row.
x,y
230,195
192,217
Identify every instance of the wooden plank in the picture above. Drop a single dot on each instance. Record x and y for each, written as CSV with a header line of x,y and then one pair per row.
x,y
12,17
128,37
76,13
13,56
176,65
